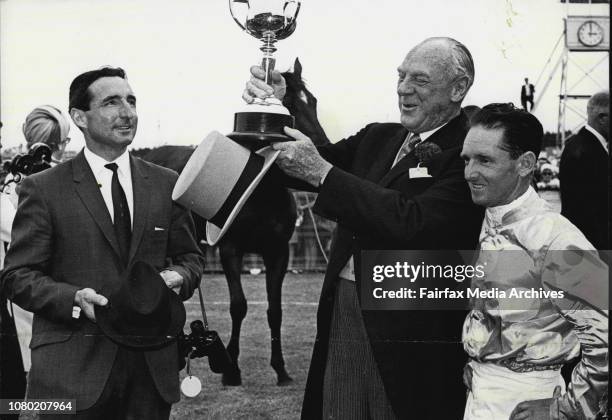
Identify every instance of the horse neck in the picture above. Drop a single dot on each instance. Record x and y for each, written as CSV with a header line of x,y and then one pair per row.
x,y
304,112
307,122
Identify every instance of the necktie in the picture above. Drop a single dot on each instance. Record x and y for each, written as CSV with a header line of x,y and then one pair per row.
x,y
121,214
408,146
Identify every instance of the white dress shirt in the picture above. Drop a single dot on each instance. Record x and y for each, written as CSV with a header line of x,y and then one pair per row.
x,y
104,177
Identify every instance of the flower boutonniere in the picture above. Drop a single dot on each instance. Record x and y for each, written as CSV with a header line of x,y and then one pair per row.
x,y
426,151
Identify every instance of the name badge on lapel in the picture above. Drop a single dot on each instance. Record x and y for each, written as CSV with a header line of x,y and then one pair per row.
x,y
418,172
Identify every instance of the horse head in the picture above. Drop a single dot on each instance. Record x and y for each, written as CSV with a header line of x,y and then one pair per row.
x,y
302,104
264,225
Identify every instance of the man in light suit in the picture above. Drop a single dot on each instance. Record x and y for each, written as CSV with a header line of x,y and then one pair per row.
x,y
389,364
516,346
583,173
78,227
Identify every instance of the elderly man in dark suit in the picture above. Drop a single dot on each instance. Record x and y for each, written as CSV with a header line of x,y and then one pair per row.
x,y
389,364
583,173
78,227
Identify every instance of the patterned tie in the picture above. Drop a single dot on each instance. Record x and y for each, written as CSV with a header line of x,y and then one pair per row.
x,y
121,214
408,146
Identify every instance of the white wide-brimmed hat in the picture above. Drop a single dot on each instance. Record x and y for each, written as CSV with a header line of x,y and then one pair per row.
x,y
218,179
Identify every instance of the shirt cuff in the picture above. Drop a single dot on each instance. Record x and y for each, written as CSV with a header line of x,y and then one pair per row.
x,y
184,292
325,175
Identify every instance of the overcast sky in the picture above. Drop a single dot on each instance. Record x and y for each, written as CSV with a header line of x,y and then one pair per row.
x,y
187,60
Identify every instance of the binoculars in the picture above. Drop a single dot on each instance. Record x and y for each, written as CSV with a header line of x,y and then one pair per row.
x,y
201,342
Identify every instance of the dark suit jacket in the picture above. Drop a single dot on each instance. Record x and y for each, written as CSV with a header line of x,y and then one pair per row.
x,y
62,241
584,178
419,353
524,92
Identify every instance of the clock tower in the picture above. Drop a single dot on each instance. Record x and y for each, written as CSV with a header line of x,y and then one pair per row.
x,y
583,34
587,33
590,34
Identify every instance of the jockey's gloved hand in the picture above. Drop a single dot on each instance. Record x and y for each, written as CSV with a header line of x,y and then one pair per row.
x,y
257,88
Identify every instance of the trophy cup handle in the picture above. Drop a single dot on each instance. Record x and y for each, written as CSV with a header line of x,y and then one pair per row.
x,y
292,13
235,11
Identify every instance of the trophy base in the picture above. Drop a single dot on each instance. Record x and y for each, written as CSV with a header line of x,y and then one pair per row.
x,y
255,130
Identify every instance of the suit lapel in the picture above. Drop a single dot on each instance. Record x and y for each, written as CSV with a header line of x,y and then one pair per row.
x,y
593,142
407,162
142,197
343,249
387,156
87,188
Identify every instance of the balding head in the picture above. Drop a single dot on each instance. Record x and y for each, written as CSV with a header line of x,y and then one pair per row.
x,y
456,55
598,111
433,80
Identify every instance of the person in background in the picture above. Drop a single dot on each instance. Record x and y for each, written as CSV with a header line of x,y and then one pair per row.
x,y
12,373
547,177
527,92
7,210
517,347
584,174
47,125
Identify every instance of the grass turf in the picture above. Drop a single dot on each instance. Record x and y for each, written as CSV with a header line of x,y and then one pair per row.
x,y
258,397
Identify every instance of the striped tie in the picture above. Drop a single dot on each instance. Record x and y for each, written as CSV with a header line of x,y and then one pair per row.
x,y
408,146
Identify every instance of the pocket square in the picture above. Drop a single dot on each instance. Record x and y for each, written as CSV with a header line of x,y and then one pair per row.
x,y
158,229
419,172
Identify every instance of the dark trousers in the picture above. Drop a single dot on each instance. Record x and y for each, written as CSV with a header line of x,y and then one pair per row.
x,y
525,101
12,375
129,393
352,386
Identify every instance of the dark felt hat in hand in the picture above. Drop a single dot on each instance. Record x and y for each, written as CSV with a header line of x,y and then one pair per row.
x,y
142,313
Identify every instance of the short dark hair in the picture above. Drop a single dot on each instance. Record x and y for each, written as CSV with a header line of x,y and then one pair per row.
x,y
79,97
471,110
522,130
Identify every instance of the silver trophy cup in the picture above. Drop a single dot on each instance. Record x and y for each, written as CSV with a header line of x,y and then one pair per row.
x,y
269,21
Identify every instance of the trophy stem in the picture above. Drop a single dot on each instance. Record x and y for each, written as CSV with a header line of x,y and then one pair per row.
x,y
268,62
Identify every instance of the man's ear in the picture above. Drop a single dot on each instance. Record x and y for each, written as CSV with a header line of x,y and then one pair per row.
x,y
78,117
602,118
526,164
460,89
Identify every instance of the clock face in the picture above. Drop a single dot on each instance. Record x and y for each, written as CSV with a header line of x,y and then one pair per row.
x,y
590,33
